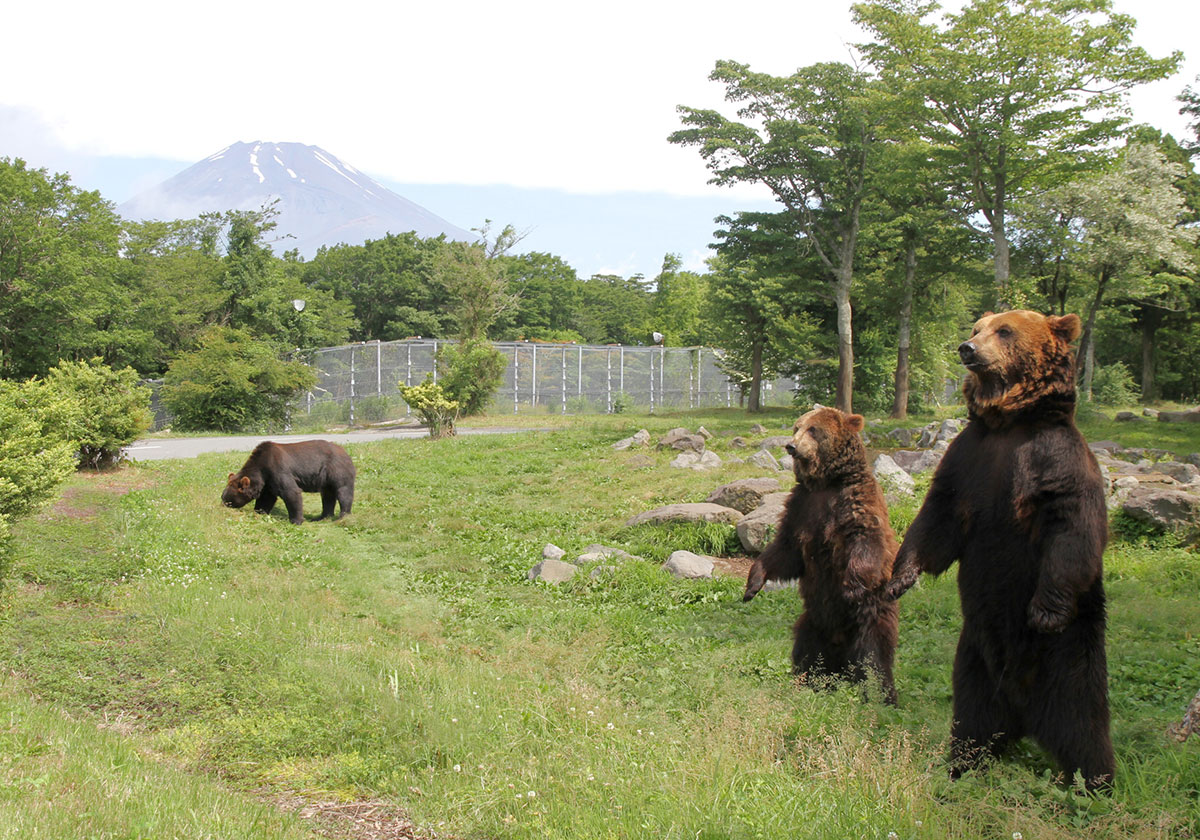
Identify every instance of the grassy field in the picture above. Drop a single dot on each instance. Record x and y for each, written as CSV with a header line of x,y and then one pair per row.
x,y
175,669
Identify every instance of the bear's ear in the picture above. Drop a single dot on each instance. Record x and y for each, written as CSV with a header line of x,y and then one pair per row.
x,y
854,422
230,477
1065,327
245,482
987,314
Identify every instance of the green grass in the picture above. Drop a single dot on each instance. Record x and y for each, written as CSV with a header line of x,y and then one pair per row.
x,y
173,667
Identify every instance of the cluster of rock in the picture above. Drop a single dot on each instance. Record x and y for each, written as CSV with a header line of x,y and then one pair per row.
x,y
752,505
1189,415
694,452
895,471
1150,486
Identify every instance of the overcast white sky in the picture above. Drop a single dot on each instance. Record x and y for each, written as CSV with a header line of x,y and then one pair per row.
x,y
571,96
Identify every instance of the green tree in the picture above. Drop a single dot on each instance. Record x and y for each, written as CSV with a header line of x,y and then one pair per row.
x,y
58,257
679,302
114,408
614,310
1015,92
549,296
810,138
232,382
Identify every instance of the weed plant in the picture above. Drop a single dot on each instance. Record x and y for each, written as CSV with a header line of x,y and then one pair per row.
x,y
173,667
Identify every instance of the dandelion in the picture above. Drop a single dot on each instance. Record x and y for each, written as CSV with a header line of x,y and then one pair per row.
x,y
893,836
457,768
454,720
520,796
590,713
531,794
918,823
1017,835
610,726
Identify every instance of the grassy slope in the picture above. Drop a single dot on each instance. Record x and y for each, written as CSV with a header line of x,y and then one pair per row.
x,y
402,656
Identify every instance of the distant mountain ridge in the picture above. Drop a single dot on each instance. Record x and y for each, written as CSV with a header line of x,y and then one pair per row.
x,y
322,200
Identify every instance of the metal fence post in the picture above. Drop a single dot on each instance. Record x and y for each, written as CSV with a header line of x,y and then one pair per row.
x,y
564,379
516,376
352,385
533,378
608,381
651,380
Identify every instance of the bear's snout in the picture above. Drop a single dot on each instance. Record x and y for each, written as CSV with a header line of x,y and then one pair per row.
x,y
790,448
967,352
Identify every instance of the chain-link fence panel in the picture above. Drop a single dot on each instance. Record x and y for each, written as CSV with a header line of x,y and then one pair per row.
x,y
358,383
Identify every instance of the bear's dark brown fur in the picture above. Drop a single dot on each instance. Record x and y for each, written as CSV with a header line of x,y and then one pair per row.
x,y
835,537
1018,500
285,470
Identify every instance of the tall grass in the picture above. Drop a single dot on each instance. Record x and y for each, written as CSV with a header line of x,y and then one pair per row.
x,y
401,656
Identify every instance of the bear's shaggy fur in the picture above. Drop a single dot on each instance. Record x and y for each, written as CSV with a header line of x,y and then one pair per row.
x,y
835,537
284,470
1018,500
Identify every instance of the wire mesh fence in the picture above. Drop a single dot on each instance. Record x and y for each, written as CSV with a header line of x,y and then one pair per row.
x,y
362,380
358,384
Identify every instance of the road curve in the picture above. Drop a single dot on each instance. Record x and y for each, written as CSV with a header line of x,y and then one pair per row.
x,y
161,449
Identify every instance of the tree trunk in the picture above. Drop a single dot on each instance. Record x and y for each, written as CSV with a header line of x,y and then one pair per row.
x,y
756,375
904,336
845,328
1086,364
1002,261
1152,318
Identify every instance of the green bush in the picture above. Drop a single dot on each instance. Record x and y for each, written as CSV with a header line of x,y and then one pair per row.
x,y
470,372
430,403
1114,385
36,453
115,409
232,383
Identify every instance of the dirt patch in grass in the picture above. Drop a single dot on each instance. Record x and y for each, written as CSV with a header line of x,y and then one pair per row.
x,y
74,504
369,820
738,567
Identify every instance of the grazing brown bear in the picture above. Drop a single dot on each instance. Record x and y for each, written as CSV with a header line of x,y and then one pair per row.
x,y
284,470
1018,500
835,537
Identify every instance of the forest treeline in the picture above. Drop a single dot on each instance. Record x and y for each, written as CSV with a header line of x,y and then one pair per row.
x,y
971,161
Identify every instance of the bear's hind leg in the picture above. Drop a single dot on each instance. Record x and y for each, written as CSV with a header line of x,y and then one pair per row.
x,y
265,502
1074,723
345,497
328,501
983,721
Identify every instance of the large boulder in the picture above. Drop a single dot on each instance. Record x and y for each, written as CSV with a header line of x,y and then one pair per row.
x,y
685,564
553,571
687,512
1191,415
916,461
775,442
639,438
745,494
764,459
681,440
892,478
757,528
596,551
901,436
1164,508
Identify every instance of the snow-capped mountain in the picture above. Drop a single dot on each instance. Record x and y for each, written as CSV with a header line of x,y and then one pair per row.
x,y
322,200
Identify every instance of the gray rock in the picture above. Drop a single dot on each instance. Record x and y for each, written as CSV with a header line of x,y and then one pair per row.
x,y
706,460
682,440
596,551
1193,459
552,552
1125,416
687,512
892,478
901,436
763,458
704,433
640,462
639,438
950,429
757,528
738,443
758,429
745,494
553,571
733,459
786,463
1192,415
1164,508
1104,446
685,564
775,442
1183,473
914,462
1150,412
929,436
1121,488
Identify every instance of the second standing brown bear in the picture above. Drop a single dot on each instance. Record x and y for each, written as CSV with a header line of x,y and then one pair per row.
x,y
835,537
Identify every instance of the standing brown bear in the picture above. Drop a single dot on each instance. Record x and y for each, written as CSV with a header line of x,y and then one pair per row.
x,y
835,537
284,470
1018,500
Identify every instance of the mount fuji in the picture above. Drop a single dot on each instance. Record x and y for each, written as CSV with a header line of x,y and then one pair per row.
x,y
322,200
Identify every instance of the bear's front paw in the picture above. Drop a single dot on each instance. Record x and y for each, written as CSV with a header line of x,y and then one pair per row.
x,y
754,581
1046,620
902,581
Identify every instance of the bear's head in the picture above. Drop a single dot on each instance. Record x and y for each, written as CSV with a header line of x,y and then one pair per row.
x,y
239,491
1017,360
826,446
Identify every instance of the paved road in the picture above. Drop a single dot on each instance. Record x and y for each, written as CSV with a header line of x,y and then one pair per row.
x,y
158,449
